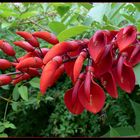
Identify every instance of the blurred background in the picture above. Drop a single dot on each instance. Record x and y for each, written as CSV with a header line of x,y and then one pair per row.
x,y
25,112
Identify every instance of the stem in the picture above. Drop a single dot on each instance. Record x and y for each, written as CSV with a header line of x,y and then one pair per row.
x,y
5,112
16,59
70,59
5,99
13,73
40,52
38,25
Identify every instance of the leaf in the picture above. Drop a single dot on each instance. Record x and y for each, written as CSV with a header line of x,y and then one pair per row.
x,y
3,135
136,108
35,82
62,9
14,106
2,128
88,6
113,132
98,11
9,125
28,14
137,73
56,26
71,32
15,93
5,25
23,92
137,5
129,18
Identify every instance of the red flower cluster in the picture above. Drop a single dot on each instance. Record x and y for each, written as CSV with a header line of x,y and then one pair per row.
x,y
95,65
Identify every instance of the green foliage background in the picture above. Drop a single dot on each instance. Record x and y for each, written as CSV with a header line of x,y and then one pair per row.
x,y
25,112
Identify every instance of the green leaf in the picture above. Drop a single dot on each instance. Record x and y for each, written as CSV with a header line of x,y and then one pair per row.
x,y
71,32
15,93
15,106
35,82
5,25
3,135
126,131
136,108
23,91
28,14
137,73
9,125
2,128
56,26
137,5
98,11
113,132
88,6
62,9
129,18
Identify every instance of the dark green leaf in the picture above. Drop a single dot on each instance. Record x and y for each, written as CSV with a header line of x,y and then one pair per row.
x,y
62,9
113,132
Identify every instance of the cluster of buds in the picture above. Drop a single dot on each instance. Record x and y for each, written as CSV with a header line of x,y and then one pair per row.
x,y
95,66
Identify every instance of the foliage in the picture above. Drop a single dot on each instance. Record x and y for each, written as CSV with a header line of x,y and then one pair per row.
x,y
25,112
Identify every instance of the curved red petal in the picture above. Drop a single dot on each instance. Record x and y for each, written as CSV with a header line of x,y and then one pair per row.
x,y
78,65
29,37
109,84
126,36
97,98
76,108
47,36
97,45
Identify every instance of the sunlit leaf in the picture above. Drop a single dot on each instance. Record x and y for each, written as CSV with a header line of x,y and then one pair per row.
x,y
71,32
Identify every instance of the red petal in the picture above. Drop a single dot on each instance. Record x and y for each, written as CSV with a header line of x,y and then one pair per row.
x,y
47,36
104,65
29,37
76,108
97,98
69,69
109,84
24,45
126,37
127,81
78,65
97,45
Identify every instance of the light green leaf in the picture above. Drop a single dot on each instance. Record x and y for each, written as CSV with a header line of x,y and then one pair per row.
x,y
9,125
23,91
129,18
56,27
3,135
113,132
98,11
15,93
15,106
28,14
71,32
137,73
88,6
35,82
5,25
